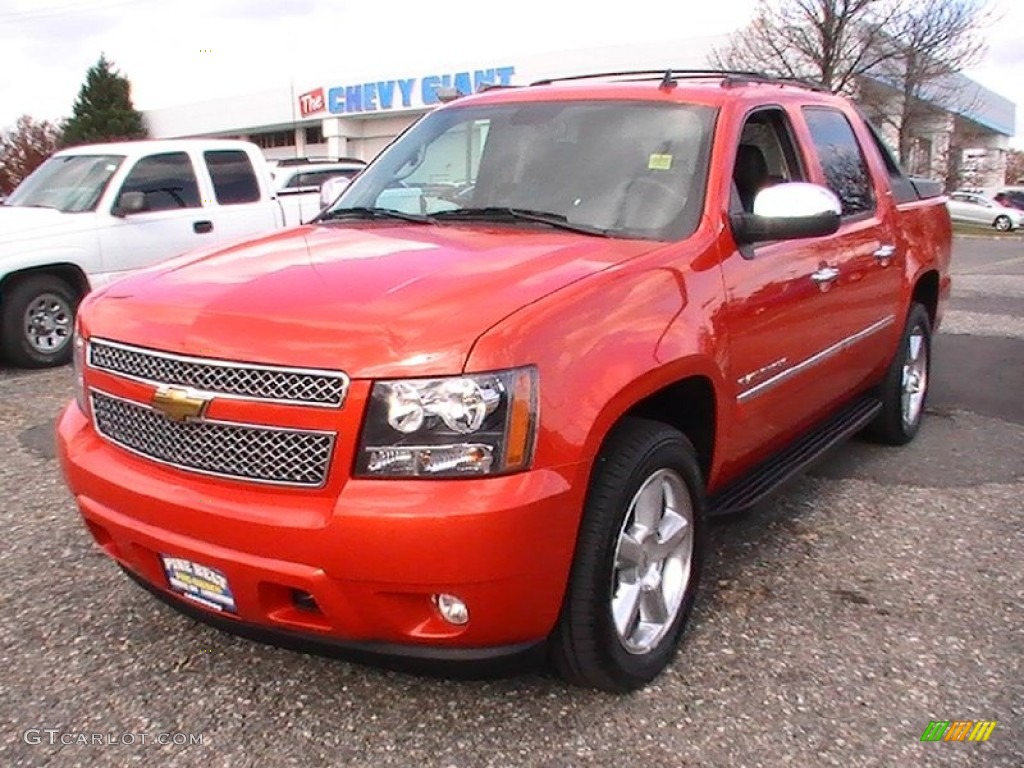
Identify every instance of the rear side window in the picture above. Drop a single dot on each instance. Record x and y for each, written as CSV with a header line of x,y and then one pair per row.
x,y
167,180
234,180
846,172
316,178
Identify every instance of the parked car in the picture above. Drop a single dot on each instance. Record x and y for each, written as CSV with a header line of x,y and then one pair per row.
x,y
91,214
298,182
974,208
464,427
1010,198
307,174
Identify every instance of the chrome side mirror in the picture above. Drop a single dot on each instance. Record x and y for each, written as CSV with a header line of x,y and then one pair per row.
x,y
788,211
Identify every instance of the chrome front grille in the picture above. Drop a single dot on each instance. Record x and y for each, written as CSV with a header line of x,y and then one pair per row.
x,y
227,449
296,386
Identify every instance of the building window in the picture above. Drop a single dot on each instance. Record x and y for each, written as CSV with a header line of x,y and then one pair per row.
x,y
314,134
273,139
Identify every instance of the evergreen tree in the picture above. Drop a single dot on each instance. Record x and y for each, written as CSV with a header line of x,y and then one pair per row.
x,y
104,109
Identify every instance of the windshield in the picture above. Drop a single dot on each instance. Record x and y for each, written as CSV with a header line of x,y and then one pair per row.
x,y
69,183
624,168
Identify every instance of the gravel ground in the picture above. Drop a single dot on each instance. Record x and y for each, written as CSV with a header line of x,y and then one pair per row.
x,y
879,592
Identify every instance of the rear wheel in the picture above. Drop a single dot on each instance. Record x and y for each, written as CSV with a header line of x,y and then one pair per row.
x,y
37,315
638,560
905,387
1003,223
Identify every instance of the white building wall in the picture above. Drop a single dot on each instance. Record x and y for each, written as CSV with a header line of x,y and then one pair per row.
x,y
364,134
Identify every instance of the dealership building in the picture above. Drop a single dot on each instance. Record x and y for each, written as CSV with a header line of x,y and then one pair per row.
x,y
356,113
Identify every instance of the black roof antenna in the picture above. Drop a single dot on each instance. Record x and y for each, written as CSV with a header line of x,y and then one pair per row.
x,y
668,82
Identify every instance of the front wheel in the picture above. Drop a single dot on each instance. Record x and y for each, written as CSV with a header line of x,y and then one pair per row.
x,y
37,316
638,560
1003,223
905,388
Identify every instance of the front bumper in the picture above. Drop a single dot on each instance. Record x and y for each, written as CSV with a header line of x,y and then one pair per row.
x,y
366,562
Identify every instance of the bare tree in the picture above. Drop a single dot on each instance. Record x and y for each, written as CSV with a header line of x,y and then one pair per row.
x,y
929,43
831,42
23,148
900,59
1015,167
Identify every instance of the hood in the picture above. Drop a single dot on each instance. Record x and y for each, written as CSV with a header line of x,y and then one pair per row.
x,y
18,223
371,299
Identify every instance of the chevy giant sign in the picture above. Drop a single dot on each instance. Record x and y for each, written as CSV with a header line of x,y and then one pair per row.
x,y
411,92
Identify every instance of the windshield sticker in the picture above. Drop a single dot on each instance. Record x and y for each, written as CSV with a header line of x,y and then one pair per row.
x,y
660,162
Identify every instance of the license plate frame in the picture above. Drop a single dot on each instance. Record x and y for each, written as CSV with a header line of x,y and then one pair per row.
x,y
200,583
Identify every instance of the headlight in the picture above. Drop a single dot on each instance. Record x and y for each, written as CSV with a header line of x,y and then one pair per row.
x,y
80,350
479,424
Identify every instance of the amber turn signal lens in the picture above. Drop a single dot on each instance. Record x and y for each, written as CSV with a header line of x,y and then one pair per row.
x,y
519,443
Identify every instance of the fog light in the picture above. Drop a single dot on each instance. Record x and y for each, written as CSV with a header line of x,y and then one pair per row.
x,y
452,609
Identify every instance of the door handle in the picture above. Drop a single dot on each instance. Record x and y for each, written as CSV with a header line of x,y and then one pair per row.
x,y
825,275
885,252
202,227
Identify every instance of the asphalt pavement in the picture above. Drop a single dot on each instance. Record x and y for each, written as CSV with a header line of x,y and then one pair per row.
x,y
879,592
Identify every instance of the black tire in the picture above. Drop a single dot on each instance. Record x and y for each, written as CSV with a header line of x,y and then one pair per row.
x,y
1003,223
891,427
585,647
15,339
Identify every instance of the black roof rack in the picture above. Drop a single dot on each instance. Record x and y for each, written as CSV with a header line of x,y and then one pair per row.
x,y
669,77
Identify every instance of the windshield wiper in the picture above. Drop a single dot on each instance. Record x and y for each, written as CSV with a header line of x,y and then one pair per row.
x,y
501,213
365,212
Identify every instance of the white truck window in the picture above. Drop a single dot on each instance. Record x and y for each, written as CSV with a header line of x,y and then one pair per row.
x,y
68,183
234,180
167,180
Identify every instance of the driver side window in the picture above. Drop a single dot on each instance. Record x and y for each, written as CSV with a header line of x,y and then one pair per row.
x,y
442,177
765,156
167,180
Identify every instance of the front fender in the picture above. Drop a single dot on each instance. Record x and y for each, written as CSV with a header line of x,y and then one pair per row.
x,y
82,252
603,344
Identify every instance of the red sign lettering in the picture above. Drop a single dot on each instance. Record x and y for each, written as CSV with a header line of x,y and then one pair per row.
x,y
312,102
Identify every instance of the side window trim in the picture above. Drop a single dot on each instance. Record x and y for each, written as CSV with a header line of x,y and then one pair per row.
x,y
796,157
789,145
902,188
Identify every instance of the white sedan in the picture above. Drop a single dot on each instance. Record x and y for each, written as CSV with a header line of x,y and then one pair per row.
x,y
977,209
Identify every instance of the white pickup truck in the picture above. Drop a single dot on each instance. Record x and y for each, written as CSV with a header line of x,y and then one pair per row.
x,y
93,213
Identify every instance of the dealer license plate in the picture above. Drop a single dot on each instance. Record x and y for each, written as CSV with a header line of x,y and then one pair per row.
x,y
199,583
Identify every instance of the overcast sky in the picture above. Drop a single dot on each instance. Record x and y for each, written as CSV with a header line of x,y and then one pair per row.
x,y
179,51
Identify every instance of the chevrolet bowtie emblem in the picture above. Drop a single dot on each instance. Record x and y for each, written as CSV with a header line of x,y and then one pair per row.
x,y
179,404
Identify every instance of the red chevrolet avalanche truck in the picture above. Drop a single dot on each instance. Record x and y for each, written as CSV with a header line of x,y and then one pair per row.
x,y
488,400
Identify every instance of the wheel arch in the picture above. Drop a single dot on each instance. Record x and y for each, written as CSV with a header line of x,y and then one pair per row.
x,y
72,274
926,293
687,400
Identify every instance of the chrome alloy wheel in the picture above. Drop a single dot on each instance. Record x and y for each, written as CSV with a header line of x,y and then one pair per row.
x,y
915,377
48,322
653,559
